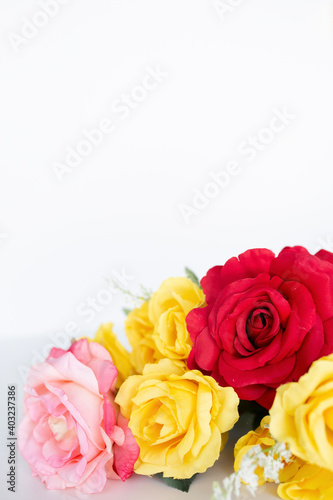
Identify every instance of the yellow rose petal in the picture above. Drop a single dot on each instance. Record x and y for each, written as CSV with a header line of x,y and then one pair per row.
x,y
301,414
120,356
177,418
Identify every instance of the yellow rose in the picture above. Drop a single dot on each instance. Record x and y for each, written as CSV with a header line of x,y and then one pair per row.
x,y
120,356
139,331
302,414
310,482
177,418
168,308
262,436
157,329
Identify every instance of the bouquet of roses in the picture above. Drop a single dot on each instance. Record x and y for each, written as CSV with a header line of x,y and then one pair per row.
x,y
258,329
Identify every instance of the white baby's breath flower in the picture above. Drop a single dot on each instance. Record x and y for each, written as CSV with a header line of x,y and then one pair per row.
x,y
271,460
217,492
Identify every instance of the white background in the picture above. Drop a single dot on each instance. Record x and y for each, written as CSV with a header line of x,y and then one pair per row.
x,y
119,210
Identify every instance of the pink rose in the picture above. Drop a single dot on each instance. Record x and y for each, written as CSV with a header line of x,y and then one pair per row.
x,y
72,433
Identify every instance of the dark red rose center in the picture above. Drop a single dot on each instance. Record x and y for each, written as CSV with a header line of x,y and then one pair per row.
x,y
259,324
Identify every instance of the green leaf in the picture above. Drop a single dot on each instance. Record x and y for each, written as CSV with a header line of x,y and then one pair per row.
x,y
251,414
127,311
191,276
179,484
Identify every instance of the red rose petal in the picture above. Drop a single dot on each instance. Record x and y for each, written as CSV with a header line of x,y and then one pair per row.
x,y
299,296
252,392
196,321
309,350
267,374
267,399
248,265
258,358
325,255
206,350
316,274
328,338
211,284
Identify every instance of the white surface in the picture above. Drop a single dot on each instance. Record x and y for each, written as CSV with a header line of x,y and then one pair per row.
x,y
137,487
120,207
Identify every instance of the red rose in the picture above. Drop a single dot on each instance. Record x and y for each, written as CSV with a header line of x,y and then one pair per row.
x,y
267,319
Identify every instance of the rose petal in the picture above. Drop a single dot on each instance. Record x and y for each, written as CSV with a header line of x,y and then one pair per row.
x,y
126,455
309,350
207,351
196,320
268,374
316,274
248,265
325,255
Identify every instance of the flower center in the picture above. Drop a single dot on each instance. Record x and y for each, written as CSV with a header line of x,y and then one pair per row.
x,y
59,428
258,325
